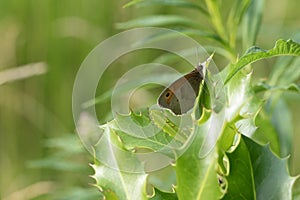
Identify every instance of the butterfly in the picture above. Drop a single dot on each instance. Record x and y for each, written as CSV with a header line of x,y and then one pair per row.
x,y
180,96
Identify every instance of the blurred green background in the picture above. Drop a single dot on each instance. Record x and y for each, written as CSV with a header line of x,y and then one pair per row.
x,y
40,155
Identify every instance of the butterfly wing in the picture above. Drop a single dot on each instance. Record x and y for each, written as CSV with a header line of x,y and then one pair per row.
x,y
180,96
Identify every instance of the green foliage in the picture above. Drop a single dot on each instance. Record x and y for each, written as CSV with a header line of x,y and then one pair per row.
x,y
120,185
289,48
197,178
252,173
234,163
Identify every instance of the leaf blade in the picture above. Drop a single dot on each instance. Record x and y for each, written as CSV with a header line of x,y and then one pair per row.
x,y
265,164
282,47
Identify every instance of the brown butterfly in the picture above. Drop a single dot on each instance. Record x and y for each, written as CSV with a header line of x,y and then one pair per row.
x,y
180,96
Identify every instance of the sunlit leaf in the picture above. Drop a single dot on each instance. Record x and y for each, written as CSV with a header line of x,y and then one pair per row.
x,y
122,185
150,136
118,172
197,177
282,47
178,127
285,70
238,94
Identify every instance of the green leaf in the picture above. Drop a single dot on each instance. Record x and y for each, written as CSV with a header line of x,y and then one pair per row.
x,y
159,195
240,179
120,185
285,70
251,22
197,178
158,20
238,94
176,126
119,174
134,124
256,173
271,177
282,47
177,3
161,142
138,131
245,122
225,142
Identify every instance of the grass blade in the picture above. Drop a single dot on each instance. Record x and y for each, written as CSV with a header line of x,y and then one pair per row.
x,y
158,20
176,3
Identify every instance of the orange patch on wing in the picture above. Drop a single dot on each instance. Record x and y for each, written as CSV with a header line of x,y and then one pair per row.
x,y
168,98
